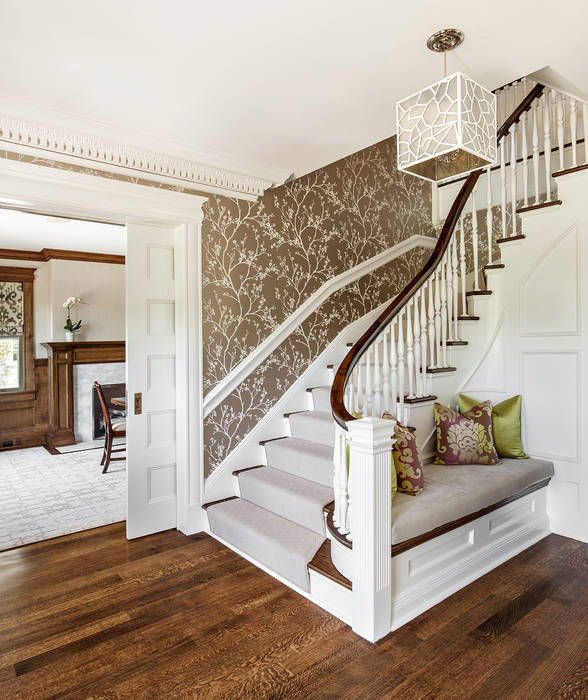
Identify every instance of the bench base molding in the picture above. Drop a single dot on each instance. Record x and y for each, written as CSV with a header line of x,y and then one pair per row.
x,y
430,572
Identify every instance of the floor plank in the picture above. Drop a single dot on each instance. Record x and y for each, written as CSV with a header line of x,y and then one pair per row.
x,y
94,615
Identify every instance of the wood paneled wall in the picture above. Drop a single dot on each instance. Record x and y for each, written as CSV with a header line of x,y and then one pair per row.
x,y
24,423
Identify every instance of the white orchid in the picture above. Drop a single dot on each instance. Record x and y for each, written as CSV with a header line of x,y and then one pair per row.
x,y
70,302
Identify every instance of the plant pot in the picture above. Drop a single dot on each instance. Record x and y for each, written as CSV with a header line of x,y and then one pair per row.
x,y
70,336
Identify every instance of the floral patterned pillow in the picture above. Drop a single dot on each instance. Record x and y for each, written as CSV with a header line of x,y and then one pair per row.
x,y
465,438
410,477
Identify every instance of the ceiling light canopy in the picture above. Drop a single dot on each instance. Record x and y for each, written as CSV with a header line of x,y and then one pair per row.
x,y
448,128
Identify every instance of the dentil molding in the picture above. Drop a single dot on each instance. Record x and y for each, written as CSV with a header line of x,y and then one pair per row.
x,y
84,143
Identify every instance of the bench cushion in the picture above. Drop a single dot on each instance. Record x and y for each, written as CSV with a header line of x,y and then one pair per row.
x,y
452,492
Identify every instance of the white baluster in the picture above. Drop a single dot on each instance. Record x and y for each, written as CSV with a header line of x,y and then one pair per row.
x,y
455,287
560,127
351,405
513,179
417,348
393,369
369,387
360,404
547,147
489,213
449,283
386,403
475,241
536,151
574,131
377,380
462,267
424,330
400,410
443,283
340,481
410,350
436,280
503,186
585,128
431,323
525,164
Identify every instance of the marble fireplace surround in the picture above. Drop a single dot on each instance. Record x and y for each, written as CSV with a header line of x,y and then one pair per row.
x,y
84,377
70,367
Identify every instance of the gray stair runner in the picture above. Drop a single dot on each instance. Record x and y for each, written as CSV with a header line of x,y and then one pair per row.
x,y
303,458
299,500
316,426
280,544
321,398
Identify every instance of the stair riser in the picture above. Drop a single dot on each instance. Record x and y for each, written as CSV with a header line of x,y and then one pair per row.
x,y
304,426
316,467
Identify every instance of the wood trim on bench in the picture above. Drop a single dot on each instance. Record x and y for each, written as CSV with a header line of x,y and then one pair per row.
x,y
442,529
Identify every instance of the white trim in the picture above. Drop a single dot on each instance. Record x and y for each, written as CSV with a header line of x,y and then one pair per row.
x,y
38,131
239,373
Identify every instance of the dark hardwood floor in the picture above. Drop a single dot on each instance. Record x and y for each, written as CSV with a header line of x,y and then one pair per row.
x,y
166,616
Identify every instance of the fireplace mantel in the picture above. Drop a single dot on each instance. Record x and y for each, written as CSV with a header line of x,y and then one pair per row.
x,y
62,357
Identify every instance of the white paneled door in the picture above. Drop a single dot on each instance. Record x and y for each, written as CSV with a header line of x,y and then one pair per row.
x,y
151,379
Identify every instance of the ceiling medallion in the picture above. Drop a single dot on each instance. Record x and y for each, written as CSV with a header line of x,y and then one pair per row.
x,y
448,128
445,40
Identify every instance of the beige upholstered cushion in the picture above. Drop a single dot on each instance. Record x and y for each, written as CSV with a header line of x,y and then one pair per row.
x,y
119,425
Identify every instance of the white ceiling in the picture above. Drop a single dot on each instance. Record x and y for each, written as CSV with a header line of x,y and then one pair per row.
x,y
293,84
24,231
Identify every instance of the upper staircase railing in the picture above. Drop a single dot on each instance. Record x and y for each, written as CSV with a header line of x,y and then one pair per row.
x,y
394,360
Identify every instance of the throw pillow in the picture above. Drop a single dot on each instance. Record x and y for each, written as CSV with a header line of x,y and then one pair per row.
x,y
506,425
408,465
465,438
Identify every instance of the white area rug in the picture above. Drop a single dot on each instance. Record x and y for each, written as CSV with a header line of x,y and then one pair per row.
x,y
44,496
91,445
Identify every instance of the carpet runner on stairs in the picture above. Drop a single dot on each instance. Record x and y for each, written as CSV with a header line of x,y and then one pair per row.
x,y
278,519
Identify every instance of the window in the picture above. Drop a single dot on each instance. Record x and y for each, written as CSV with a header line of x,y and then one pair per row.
x,y
11,363
17,373
11,332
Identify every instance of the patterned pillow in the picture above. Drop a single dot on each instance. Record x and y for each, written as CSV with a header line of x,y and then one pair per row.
x,y
410,477
465,438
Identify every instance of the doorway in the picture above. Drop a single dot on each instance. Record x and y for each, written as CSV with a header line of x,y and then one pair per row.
x,y
162,343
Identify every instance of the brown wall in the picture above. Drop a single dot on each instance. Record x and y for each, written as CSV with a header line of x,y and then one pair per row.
x,y
262,260
25,422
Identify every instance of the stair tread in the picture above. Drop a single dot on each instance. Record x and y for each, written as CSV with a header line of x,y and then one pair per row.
x,y
543,205
323,564
316,426
276,542
303,458
465,317
287,495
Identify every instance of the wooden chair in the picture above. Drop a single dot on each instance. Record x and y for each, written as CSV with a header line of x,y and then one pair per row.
x,y
113,430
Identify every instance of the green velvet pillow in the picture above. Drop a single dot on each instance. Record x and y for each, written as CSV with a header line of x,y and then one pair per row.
x,y
506,425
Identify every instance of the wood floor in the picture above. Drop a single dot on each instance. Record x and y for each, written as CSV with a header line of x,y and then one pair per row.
x,y
166,616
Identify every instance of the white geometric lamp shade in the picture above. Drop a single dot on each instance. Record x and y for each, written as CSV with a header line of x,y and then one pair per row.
x,y
447,129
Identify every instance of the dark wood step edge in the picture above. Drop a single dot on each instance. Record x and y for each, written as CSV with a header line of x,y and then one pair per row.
x,y
440,370
292,413
497,266
220,500
264,442
323,564
479,293
468,318
510,238
568,171
419,399
248,469
454,343
543,205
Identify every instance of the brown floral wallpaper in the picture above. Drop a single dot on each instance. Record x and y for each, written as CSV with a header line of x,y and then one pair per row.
x,y
262,260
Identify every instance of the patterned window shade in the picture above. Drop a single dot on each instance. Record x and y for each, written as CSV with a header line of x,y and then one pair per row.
x,y
11,308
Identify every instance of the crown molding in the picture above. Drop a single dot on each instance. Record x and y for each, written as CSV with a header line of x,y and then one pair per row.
x,y
39,132
46,254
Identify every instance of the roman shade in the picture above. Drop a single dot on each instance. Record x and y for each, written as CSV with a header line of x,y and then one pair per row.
x,y
11,308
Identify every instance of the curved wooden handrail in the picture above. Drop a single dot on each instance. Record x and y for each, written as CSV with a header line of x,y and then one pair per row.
x,y
340,413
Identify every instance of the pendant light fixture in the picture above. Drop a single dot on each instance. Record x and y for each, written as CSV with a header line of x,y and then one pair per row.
x,y
448,128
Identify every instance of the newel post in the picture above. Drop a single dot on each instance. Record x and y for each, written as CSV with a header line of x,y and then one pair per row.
x,y
370,444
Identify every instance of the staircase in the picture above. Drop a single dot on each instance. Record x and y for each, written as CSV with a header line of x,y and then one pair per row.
x,y
289,509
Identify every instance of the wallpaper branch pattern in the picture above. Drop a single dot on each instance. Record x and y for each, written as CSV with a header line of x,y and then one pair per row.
x,y
262,260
